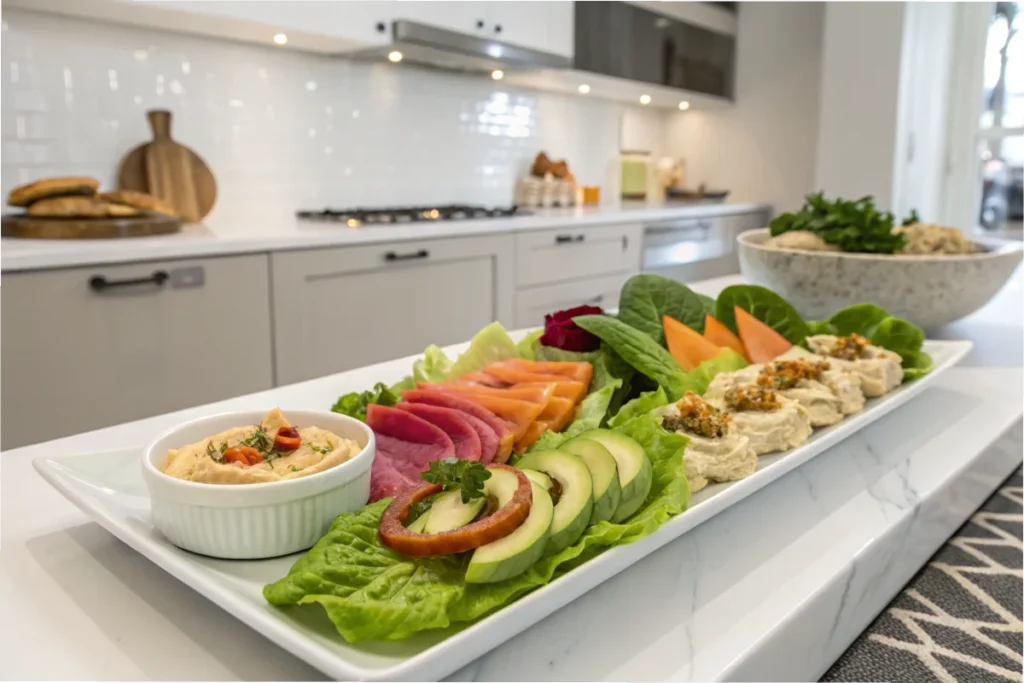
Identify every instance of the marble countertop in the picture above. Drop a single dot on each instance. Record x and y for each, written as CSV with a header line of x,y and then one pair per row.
x,y
774,588
250,234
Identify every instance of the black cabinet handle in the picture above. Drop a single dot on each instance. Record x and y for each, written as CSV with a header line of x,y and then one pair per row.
x,y
391,256
479,23
569,239
381,27
98,283
497,28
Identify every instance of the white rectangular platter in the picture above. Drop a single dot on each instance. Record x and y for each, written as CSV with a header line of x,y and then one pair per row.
x,y
109,488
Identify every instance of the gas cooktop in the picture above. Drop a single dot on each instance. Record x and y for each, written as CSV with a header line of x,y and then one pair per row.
x,y
407,214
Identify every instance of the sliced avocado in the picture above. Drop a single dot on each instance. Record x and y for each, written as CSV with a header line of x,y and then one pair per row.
x,y
449,512
634,468
604,473
575,499
539,477
514,554
420,523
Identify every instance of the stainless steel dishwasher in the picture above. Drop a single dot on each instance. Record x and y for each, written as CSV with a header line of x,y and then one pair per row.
x,y
697,248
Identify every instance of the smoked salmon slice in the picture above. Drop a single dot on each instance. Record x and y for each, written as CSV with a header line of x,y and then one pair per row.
x,y
531,435
534,394
570,389
558,413
581,372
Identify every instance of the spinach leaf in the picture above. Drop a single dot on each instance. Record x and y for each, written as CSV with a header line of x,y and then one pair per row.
x,y
915,364
898,335
646,298
860,318
709,303
637,349
766,306
819,327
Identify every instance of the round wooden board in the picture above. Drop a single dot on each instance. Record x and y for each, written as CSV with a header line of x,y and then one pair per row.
x,y
31,227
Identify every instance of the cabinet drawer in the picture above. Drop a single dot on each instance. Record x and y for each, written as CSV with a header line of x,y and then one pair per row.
x,y
86,348
337,309
533,304
570,254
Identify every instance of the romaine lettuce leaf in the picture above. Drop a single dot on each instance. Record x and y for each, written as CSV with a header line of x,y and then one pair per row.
x,y
641,405
372,593
527,346
698,379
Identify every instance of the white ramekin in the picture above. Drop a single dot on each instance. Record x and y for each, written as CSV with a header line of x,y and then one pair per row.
x,y
254,521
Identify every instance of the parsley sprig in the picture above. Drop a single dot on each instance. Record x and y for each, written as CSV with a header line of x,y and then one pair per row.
x,y
453,473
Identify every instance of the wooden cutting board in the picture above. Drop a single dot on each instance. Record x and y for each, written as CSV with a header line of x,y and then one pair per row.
x,y
170,171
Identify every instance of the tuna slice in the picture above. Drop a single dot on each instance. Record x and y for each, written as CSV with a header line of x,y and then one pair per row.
x,y
405,446
454,424
499,426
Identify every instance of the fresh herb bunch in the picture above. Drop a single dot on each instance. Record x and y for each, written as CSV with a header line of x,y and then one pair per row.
x,y
453,473
856,226
355,403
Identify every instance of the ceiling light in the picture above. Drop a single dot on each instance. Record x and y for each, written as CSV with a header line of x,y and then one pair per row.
x,y
497,74
280,38
584,89
684,105
395,56
645,99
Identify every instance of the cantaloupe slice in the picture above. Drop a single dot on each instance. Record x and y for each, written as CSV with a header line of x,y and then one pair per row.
x,y
574,391
557,413
762,342
535,393
717,333
687,345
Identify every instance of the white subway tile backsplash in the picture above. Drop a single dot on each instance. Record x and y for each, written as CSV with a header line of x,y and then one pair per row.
x,y
281,130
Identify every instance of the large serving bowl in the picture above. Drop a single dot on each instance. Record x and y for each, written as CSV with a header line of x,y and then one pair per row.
x,y
253,521
929,291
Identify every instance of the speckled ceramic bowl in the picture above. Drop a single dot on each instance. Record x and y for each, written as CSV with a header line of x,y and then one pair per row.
x,y
930,291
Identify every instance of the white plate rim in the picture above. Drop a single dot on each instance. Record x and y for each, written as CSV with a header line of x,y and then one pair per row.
x,y
478,638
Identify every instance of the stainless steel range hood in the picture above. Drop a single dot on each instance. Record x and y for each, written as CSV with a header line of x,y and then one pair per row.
x,y
438,47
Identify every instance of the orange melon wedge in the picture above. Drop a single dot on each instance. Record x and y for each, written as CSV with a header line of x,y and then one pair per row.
x,y
580,372
761,342
686,345
532,434
717,333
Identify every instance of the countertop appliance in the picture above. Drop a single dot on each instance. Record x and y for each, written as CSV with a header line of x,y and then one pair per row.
x,y
409,214
697,248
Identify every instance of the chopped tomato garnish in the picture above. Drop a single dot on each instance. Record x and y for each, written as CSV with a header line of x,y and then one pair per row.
x,y
287,439
395,535
245,455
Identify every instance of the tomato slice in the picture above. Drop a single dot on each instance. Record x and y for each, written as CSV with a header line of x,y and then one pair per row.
x,y
246,455
287,439
396,536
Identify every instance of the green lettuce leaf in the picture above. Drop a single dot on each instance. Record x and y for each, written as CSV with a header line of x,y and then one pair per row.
x,y
489,345
897,335
407,382
646,298
527,346
860,318
641,405
354,404
708,302
915,364
433,367
698,379
371,593
763,304
638,350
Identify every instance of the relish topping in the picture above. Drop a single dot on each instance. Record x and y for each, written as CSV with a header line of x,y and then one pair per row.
x,y
699,417
849,348
752,397
786,374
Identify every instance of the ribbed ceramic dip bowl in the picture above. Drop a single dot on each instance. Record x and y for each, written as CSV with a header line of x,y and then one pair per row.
x,y
255,520
929,291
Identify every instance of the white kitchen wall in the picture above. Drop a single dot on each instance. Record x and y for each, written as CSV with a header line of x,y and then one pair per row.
x,y
763,149
281,130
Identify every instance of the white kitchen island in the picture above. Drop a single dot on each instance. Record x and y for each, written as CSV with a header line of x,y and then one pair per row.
x,y
774,588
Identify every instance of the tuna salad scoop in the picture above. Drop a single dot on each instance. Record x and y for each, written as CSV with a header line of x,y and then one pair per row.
x,y
715,452
771,422
799,380
272,450
880,370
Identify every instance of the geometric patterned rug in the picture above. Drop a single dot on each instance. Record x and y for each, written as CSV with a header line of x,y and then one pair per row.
x,y
959,618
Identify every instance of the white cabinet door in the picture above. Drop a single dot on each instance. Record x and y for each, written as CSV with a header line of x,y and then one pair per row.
x,y
465,17
533,304
86,348
546,26
336,309
547,256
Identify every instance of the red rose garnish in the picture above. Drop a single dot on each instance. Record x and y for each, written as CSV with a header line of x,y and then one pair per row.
x,y
562,333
